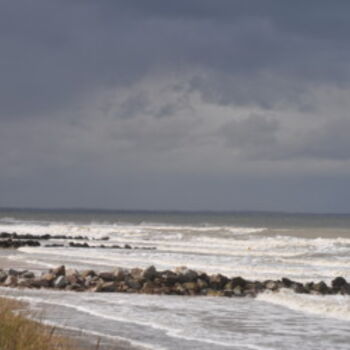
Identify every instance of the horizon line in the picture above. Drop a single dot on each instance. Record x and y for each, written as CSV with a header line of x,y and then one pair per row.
x,y
173,211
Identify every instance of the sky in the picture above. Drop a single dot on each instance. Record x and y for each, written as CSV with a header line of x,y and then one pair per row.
x,y
175,105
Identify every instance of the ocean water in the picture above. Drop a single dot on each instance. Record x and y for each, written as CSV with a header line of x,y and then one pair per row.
x,y
253,245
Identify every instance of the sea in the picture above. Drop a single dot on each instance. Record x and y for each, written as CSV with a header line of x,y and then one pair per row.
x,y
254,245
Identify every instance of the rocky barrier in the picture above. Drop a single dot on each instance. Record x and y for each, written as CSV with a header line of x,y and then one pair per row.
x,y
14,241
17,236
181,281
11,243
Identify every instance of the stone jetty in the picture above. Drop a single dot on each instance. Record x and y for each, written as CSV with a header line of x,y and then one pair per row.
x,y
181,281
15,241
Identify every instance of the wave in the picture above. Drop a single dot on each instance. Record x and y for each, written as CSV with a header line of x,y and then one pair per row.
x,y
33,302
335,306
169,329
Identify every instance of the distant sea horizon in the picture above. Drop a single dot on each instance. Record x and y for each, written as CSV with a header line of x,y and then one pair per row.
x,y
169,211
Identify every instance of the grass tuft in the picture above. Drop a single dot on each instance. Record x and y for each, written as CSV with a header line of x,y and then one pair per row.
x,y
20,333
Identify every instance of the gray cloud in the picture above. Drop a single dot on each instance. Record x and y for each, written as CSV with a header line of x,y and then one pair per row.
x,y
329,140
168,104
55,54
254,134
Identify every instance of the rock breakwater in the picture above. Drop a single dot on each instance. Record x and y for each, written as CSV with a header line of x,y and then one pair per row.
x,y
181,281
14,241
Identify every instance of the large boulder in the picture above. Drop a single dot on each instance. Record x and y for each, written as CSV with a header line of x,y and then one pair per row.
x,y
3,276
133,284
87,273
148,287
107,276
38,283
299,288
24,282
287,283
119,274
191,286
27,274
186,275
271,285
238,281
105,287
137,274
238,291
60,282
338,282
59,271
11,281
217,281
48,278
321,288
169,278
150,273
12,272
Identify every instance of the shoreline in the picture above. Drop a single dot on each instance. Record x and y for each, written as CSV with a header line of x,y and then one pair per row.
x,y
83,339
74,339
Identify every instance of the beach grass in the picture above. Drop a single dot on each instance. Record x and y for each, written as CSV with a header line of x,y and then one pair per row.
x,y
17,332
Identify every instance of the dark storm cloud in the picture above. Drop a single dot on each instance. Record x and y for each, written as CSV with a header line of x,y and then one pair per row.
x,y
53,54
169,103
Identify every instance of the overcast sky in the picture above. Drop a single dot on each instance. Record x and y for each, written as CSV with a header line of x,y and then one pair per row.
x,y
187,104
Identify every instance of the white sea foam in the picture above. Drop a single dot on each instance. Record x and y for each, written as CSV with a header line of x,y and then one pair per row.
x,y
336,306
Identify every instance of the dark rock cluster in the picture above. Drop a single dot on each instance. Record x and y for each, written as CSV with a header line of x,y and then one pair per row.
x,y
182,281
15,235
14,241
11,243
113,246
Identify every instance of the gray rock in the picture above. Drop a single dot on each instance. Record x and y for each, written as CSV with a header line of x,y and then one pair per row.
x,y
59,271
299,288
238,281
321,288
191,286
24,282
13,272
107,276
228,292
169,278
133,284
27,274
11,281
3,276
338,282
119,274
136,273
287,283
49,277
39,283
345,289
105,287
60,282
186,275
271,285
217,281
150,273
88,273
148,287
238,291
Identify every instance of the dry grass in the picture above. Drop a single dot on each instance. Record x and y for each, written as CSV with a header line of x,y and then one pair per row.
x,y
19,333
